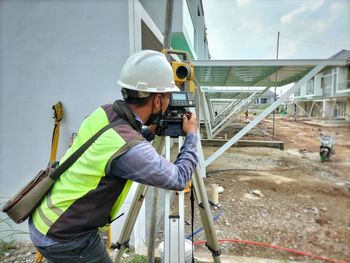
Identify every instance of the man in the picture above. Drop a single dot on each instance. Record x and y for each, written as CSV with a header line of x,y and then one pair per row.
x,y
64,228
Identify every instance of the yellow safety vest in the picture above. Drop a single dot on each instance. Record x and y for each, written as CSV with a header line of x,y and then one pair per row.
x,y
84,197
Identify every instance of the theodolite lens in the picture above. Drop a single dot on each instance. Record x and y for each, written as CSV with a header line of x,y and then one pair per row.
x,y
181,72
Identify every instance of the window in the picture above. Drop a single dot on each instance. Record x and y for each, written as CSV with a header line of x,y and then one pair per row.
x,y
297,93
310,87
343,79
263,100
326,84
340,109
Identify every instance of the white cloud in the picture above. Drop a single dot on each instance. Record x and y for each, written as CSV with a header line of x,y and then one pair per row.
x,y
251,25
241,3
319,26
236,32
314,5
290,49
308,6
335,9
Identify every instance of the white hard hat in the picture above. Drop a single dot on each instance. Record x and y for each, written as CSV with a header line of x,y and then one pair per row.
x,y
148,71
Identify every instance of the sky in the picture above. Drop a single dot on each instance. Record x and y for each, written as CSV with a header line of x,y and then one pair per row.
x,y
247,29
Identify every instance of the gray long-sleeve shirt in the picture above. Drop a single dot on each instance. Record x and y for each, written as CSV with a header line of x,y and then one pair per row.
x,y
144,165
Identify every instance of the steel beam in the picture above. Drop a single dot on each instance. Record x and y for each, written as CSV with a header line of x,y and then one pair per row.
x,y
270,62
307,114
225,122
235,90
227,108
312,107
211,110
245,103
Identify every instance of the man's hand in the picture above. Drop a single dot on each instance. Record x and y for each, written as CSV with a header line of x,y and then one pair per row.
x,y
153,128
190,123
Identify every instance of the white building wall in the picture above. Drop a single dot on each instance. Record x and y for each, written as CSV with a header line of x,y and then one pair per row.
x,y
327,108
317,85
334,81
156,9
303,91
70,51
202,47
177,25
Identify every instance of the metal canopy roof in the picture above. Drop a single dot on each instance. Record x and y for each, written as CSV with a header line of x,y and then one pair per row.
x,y
255,73
228,95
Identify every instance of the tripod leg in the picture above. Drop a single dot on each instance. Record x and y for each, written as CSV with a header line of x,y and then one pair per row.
x,y
123,242
207,220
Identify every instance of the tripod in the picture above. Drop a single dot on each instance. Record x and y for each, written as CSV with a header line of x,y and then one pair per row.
x,y
201,199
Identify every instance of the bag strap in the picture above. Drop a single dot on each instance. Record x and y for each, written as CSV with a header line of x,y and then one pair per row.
x,y
73,157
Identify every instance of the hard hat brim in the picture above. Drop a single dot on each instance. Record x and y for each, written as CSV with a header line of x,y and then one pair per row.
x,y
144,87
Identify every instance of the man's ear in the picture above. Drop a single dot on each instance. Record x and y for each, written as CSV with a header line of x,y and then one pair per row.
x,y
157,101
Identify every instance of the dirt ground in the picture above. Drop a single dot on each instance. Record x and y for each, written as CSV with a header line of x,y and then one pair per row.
x,y
284,197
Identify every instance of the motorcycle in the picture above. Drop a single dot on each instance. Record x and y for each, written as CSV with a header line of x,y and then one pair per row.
x,y
326,147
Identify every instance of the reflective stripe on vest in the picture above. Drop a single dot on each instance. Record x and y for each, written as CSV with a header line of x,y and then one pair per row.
x,y
84,175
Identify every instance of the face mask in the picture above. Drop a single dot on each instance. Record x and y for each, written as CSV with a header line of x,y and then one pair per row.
x,y
155,118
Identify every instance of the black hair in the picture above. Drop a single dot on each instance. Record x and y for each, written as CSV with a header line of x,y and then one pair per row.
x,y
137,101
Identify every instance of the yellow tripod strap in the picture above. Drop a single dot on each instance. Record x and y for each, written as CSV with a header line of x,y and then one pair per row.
x,y
58,115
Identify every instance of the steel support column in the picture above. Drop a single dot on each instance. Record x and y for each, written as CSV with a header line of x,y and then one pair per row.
x,y
203,105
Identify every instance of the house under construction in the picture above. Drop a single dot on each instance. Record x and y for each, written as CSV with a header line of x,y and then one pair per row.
x,y
326,96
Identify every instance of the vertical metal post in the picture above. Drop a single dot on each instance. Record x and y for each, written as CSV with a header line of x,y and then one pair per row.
x,y
153,226
181,213
274,95
154,213
159,142
203,105
168,24
168,223
173,250
174,223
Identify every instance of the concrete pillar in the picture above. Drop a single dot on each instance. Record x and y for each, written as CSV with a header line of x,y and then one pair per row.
x,y
317,85
327,108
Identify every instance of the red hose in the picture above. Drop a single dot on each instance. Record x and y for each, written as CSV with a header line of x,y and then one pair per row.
x,y
326,259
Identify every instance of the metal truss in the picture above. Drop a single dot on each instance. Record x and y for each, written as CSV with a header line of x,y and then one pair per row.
x,y
265,113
